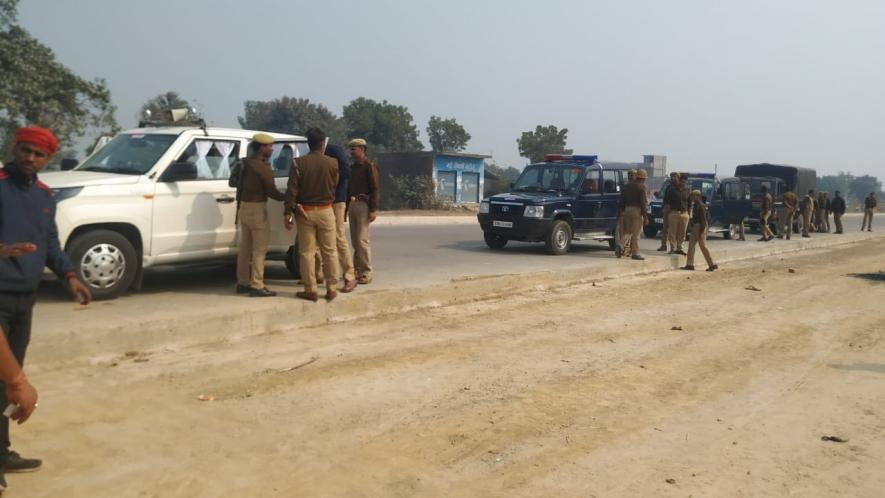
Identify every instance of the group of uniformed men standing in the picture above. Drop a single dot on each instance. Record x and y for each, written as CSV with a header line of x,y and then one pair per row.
x,y
323,193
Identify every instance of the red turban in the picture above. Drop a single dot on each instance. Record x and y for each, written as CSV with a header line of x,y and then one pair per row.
x,y
41,138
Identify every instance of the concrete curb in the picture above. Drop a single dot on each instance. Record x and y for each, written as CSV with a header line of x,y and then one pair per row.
x,y
200,326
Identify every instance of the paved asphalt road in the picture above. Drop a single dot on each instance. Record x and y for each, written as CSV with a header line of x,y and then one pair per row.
x,y
417,256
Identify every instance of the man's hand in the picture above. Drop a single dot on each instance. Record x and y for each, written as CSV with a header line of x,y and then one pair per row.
x,y
17,249
372,216
287,221
19,391
80,291
644,220
300,210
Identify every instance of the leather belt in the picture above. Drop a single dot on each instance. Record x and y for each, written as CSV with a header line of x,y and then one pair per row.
x,y
360,197
315,207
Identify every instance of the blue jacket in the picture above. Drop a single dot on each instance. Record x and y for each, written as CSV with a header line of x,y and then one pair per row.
x,y
27,214
337,152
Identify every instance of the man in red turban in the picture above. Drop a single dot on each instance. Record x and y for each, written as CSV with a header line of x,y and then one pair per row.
x,y
28,243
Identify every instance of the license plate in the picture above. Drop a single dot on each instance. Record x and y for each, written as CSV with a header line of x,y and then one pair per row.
x,y
502,224
659,220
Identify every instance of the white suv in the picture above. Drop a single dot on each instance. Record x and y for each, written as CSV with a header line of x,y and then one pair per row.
x,y
156,196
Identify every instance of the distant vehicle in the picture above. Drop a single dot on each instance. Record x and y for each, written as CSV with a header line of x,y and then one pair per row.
x,y
565,198
160,195
728,202
796,179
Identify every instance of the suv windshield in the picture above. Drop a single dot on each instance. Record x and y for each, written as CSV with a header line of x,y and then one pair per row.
x,y
129,154
549,178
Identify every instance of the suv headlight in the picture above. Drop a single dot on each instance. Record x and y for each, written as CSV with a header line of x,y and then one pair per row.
x,y
61,194
534,212
483,207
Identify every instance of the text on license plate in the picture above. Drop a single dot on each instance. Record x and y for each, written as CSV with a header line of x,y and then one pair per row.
x,y
502,224
659,220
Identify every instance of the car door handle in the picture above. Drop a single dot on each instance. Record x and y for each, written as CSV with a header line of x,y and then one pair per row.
x,y
224,199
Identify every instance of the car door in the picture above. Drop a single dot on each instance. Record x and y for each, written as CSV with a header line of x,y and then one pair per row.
x,y
588,201
611,198
284,152
736,201
194,218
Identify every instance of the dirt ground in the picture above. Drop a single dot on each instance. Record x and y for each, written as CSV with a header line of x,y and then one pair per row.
x,y
674,384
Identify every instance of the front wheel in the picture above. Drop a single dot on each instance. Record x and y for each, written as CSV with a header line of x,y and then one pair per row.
x,y
494,241
559,240
105,261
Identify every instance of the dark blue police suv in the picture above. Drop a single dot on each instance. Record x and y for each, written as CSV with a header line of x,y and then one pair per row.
x,y
565,198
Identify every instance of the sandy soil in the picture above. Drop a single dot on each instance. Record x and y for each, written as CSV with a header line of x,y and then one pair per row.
x,y
583,391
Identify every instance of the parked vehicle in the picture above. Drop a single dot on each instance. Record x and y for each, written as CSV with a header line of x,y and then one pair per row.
x,y
563,199
727,201
160,195
796,179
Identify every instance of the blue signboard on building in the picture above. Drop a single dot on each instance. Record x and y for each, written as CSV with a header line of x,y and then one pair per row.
x,y
459,178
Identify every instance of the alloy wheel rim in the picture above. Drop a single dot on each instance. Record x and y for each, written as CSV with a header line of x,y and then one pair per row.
x,y
102,266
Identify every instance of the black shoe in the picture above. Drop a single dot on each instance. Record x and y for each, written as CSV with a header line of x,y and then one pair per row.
x,y
637,257
618,251
263,292
243,289
13,462
713,268
806,236
662,248
680,252
687,267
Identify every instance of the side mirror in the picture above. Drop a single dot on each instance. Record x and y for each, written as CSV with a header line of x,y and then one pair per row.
x,y
69,164
179,172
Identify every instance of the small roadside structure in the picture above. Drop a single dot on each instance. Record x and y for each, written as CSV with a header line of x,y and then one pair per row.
x,y
452,177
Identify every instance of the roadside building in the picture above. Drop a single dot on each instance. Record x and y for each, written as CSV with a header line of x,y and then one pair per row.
x,y
455,177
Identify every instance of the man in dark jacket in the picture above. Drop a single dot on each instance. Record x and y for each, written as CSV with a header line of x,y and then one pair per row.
x,y
837,205
28,243
339,206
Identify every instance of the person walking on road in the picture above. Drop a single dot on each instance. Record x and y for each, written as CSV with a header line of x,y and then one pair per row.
x,y
365,194
765,215
790,204
807,212
665,213
869,207
339,206
699,226
838,208
632,206
256,187
28,243
677,201
311,190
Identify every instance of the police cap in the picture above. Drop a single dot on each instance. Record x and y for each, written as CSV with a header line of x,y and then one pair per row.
x,y
357,142
262,139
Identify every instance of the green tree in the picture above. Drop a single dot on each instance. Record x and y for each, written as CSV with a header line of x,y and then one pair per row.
x,y
37,89
544,140
446,135
163,102
292,115
386,127
861,186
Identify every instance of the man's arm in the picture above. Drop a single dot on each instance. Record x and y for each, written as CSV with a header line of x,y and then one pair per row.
x,y
18,390
265,175
374,192
291,198
58,262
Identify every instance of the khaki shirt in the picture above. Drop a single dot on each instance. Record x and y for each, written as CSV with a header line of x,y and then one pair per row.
x,y
633,195
767,202
364,181
258,183
789,199
312,181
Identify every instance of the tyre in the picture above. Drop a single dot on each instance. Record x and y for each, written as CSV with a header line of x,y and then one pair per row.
x,y
650,231
494,241
292,262
106,261
559,239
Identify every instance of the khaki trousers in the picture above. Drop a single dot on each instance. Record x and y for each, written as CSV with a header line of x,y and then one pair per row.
x,y
867,219
665,230
359,236
698,238
345,258
785,227
837,220
763,224
806,221
678,225
254,233
632,227
317,231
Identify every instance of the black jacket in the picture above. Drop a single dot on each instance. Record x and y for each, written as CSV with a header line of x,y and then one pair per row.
x,y
338,153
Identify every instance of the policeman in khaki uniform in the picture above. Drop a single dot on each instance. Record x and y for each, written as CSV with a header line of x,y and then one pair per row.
x,y
339,206
362,208
257,185
309,197
633,203
837,206
699,226
765,215
790,204
665,214
677,199
807,213
869,207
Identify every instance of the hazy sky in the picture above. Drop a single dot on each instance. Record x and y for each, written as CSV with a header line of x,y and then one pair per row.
x,y
703,82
